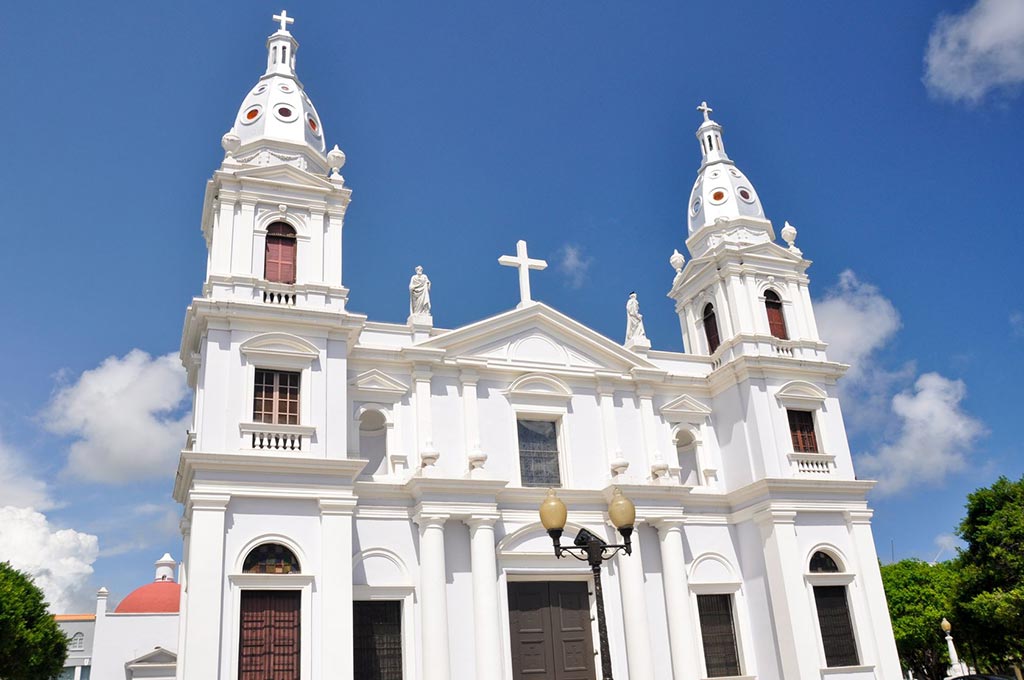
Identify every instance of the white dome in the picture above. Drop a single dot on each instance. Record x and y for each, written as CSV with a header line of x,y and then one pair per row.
x,y
277,114
722,191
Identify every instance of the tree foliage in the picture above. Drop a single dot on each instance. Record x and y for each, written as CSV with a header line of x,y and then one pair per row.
x,y
991,597
920,595
32,646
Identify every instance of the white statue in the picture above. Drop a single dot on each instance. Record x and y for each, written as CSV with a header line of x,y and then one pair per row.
x,y
419,293
634,320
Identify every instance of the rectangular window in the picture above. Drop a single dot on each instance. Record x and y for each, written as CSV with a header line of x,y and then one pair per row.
x,y
377,646
276,397
718,634
538,453
801,429
836,628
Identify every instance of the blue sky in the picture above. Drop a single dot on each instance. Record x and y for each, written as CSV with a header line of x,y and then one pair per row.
x,y
889,134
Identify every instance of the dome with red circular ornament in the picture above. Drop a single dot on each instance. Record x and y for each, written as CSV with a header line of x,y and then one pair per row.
x,y
162,596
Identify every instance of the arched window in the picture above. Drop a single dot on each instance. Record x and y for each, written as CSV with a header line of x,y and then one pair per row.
x,y
686,452
279,257
271,558
77,643
711,328
776,321
373,444
837,637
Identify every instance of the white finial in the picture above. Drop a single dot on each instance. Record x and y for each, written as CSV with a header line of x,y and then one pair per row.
x,y
705,109
789,236
284,19
677,261
336,159
525,264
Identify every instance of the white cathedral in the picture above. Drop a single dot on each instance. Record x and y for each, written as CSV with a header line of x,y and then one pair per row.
x,y
360,498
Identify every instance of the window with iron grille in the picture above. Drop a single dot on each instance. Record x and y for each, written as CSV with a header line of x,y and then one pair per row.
x,y
276,397
801,429
776,321
377,646
718,635
279,255
836,628
538,453
711,328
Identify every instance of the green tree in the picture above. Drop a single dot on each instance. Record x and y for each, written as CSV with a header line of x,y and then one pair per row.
x,y
919,595
991,598
32,646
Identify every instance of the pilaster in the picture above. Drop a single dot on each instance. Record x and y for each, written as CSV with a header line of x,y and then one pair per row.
x,y
433,597
336,633
205,585
475,458
488,650
421,375
606,399
682,634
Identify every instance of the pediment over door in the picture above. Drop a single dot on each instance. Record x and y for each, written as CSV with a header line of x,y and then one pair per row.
x,y
685,409
537,336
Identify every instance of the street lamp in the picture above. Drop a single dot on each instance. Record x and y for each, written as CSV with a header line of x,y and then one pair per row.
x,y
588,547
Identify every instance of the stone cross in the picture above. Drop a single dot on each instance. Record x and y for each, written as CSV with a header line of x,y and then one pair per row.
x,y
523,262
705,109
284,19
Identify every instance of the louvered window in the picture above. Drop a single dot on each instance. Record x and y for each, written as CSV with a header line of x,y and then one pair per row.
x,y
279,258
711,328
836,628
718,635
377,646
538,453
801,429
776,321
276,397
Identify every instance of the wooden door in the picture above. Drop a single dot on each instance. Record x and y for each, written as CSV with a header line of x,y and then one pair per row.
x,y
377,641
270,634
550,631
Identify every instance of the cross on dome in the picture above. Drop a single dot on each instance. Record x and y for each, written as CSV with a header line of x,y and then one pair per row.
x,y
284,19
705,109
522,261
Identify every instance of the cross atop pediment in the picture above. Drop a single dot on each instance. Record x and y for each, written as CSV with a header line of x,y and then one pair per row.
x,y
522,261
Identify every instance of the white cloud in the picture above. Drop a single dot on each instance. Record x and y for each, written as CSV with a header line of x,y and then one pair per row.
x,y
18,486
977,52
59,560
125,416
935,436
574,265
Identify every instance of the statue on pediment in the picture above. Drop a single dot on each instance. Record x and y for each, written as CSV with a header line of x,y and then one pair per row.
x,y
419,294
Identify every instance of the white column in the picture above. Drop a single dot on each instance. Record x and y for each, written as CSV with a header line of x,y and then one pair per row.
x,y
870,576
793,618
336,589
682,633
220,248
475,458
648,432
424,422
433,598
639,657
315,261
332,246
186,527
606,398
488,652
205,587
242,251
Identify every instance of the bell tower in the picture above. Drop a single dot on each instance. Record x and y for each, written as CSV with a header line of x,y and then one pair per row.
x,y
741,293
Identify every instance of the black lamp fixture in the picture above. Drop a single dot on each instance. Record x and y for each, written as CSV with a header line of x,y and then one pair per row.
x,y
591,549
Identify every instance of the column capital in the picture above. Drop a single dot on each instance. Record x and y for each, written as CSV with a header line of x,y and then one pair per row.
x,y
771,516
666,525
428,520
480,520
209,501
859,516
337,506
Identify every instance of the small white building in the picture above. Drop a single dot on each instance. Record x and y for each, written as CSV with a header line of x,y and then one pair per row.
x,y
360,498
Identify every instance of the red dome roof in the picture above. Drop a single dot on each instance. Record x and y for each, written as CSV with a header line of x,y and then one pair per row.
x,y
159,597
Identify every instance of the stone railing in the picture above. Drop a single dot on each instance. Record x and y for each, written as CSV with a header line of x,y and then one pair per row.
x,y
270,437
812,464
782,348
277,294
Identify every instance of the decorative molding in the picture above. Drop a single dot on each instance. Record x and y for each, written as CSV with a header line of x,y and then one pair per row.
x,y
280,350
381,385
801,394
685,409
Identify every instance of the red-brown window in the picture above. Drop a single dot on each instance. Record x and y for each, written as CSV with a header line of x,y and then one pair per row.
x,y
801,429
279,258
276,397
776,322
711,328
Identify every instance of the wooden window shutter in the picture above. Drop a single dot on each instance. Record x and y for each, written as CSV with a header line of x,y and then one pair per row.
x,y
279,259
837,636
711,328
718,635
776,320
801,429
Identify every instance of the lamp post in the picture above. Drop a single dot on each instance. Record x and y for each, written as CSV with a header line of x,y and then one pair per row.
x,y
955,666
591,549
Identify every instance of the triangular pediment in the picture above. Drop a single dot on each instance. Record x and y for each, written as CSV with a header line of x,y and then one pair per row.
x,y
536,336
283,173
770,249
684,409
158,656
378,382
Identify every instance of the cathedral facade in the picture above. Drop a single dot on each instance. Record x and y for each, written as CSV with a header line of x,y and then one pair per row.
x,y
360,498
